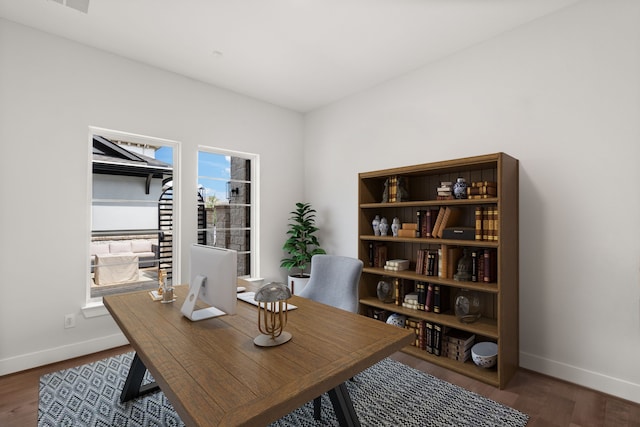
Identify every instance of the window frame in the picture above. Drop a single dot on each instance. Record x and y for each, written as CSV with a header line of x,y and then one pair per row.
x,y
254,209
94,305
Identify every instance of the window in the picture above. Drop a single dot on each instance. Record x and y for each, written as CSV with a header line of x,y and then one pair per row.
x,y
132,215
227,214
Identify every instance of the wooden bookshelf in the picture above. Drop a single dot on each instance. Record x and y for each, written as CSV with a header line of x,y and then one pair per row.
x,y
499,316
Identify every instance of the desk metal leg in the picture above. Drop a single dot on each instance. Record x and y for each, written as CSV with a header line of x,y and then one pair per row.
x,y
343,406
133,385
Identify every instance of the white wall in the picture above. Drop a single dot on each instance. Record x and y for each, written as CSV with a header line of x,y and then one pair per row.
x,y
561,94
51,91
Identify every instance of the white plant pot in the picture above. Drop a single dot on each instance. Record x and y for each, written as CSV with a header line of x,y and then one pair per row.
x,y
297,283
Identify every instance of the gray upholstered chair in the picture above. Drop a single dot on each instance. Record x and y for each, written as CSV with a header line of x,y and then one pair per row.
x,y
334,281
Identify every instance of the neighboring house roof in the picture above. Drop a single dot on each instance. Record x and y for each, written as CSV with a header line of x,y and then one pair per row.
x,y
113,159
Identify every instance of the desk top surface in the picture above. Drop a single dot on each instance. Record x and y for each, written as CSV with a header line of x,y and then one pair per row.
x,y
213,374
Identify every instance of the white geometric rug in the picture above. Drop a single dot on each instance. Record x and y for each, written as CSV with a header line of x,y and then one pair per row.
x,y
387,394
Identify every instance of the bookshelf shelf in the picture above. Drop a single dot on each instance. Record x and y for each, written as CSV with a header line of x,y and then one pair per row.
x,y
499,297
476,243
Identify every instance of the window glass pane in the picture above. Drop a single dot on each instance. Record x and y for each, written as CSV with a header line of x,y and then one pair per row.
x,y
225,219
131,216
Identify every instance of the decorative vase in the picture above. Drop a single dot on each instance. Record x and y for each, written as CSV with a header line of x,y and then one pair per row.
x,y
384,226
460,189
467,306
395,226
376,225
297,283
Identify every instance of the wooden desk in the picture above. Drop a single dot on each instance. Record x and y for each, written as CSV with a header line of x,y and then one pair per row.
x,y
213,374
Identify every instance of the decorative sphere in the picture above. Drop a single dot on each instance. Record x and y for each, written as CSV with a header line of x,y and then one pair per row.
x,y
396,319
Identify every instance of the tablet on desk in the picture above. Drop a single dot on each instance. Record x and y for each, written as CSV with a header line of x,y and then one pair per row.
x,y
249,297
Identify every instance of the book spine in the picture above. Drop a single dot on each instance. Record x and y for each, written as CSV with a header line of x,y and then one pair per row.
x,y
422,295
420,222
485,224
422,332
371,255
474,266
436,225
478,225
437,339
428,305
496,223
487,256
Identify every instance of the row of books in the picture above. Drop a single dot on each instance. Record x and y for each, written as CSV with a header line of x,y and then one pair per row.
x,y
443,262
422,296
432,222
441,340
486,223
433,337
377,255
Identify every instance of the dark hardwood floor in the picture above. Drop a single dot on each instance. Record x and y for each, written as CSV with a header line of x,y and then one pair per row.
x,y
548,401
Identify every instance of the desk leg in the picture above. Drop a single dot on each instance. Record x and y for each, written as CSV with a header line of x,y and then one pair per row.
x,y
343,406
133,385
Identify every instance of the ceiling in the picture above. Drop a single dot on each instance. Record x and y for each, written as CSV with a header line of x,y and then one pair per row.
x,y
298,54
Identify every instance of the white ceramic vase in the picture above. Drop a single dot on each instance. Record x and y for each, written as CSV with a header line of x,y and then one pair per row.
x,y
296,283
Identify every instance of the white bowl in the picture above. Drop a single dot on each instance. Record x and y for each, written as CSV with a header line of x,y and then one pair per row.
x,y
485,354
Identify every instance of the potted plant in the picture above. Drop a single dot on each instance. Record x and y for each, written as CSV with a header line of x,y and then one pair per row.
x,y
301,245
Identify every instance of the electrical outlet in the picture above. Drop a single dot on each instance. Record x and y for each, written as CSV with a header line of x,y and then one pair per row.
x,y
69,321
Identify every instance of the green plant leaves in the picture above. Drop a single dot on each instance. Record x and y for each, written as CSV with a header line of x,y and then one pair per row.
x,y
301,244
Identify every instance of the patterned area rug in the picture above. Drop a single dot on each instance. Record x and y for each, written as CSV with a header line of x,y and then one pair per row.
x,y
387,394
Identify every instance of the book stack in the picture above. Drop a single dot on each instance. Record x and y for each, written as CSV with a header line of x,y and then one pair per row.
x,y
409,229
444,191
411,301
482,190
397,264
457,345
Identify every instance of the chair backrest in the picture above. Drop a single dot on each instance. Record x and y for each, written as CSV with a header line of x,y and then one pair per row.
x,y
334,281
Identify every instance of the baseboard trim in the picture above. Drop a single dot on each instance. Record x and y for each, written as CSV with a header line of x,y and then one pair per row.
x,y
594,380
57,354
